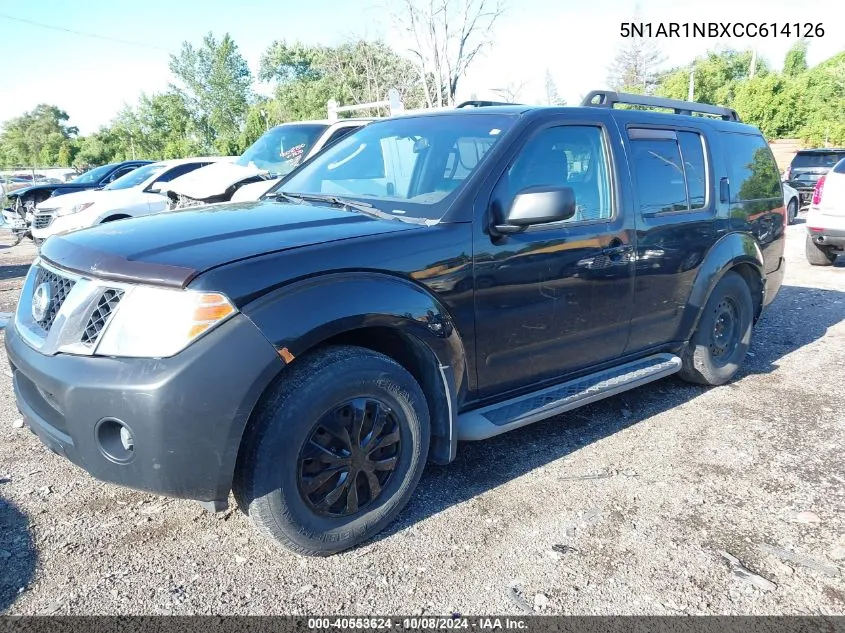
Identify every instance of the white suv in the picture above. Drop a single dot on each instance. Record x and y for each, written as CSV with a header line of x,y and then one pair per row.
x,y
826,218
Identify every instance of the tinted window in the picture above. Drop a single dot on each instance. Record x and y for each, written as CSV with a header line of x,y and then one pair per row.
x,y
567,156
695,169
340,133
839,168
816,159
179,170
752,172
659,174
94,175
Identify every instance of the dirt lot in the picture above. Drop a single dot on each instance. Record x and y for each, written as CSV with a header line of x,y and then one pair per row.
x,y
619,508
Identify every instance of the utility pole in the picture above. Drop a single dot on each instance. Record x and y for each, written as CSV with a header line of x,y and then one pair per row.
x,y
691,91
753,68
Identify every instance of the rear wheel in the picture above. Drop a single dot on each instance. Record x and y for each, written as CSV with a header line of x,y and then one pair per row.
x,y
819,255
334,451
720,342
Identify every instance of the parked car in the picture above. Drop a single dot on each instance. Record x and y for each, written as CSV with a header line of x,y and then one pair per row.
x,y
261,166
30,196
134,194
312,350
826,218
792,200
807,166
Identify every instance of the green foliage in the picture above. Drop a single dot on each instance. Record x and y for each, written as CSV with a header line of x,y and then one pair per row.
x,y
717,76
795,62
37,137
216,88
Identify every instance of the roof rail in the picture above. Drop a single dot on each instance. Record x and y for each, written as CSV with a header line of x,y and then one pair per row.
x,y
474,103
609,98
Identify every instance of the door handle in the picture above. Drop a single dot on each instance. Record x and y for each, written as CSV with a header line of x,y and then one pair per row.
x,y
620,249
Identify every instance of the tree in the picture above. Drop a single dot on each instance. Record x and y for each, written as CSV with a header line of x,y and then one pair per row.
x,y
717,75
795,62
511,91
635,66
37,137
445,37
216,87
552,96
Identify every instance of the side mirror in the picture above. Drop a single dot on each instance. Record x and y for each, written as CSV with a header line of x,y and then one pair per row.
x,y
158,187
538,205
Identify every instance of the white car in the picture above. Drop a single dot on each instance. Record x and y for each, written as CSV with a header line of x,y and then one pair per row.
x,y
826,218
276,153
134,194
791,200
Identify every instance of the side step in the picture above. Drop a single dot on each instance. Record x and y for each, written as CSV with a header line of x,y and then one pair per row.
x,y
512,414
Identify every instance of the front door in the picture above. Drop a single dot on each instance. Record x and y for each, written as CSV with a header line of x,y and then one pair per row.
x,y
555,298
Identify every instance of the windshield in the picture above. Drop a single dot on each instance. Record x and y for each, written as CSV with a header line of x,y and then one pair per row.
x,y
816,159
281,149
93,176
407,165
135,177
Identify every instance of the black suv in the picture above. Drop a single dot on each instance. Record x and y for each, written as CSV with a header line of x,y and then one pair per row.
x,y
430,278
807,166
93,179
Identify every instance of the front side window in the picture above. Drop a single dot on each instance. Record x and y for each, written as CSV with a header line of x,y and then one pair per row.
x,y
281,148
571,156
407,165
93,176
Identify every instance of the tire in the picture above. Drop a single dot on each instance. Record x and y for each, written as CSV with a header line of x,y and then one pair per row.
x,y
720,342
275,468
791,211
818,255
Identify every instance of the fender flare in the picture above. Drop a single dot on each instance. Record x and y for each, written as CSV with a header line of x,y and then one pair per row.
x,y
728,252
300,316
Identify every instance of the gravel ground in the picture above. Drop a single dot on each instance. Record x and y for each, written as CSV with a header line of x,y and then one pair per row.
x,y
623,507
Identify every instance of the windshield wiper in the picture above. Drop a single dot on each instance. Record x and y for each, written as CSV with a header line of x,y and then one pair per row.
x,y
290,197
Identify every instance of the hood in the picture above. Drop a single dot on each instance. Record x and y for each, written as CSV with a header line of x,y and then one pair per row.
x,y
172,248
100,197
211,180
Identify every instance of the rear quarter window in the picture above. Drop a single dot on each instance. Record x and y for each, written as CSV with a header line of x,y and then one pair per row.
x,y
752,171
839,168
825,160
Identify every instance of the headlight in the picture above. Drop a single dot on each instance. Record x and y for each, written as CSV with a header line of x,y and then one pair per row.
x,y
158,322
74,209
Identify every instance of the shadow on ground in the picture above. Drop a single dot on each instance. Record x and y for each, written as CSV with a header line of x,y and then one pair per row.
x,y
13,271
482,466
18,555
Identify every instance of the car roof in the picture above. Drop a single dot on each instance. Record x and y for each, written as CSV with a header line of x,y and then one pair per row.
x,y
822,150
173,162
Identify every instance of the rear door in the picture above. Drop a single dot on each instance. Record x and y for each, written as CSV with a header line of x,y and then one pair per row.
x,y
671,168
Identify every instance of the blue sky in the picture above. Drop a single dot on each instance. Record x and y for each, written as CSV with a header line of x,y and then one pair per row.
x,y
91,79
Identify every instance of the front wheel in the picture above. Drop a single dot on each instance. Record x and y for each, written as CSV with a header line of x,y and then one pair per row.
x,y
720,342
334,451
818,255
791,211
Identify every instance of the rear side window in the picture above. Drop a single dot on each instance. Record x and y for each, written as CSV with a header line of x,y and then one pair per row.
x,y
826,160
670,169
752,172
839,168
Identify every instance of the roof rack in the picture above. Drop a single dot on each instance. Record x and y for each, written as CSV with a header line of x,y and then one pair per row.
x,y
609,98
474,103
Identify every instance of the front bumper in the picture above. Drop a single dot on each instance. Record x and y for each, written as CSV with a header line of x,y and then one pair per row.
x,y
186,413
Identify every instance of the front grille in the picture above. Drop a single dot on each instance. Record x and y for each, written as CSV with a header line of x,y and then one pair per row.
x,y
42,221
98,319
60,287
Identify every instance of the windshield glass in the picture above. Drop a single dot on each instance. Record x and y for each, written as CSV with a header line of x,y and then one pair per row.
x,y
281,149
135,177
816,159
94,175
405,166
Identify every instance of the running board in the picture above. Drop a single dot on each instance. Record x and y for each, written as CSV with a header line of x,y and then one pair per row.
x,y
512,414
